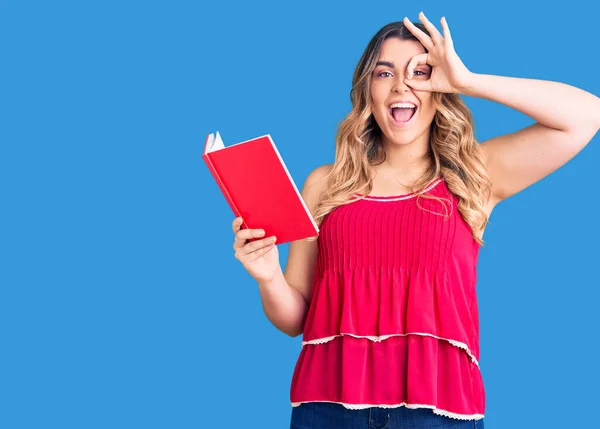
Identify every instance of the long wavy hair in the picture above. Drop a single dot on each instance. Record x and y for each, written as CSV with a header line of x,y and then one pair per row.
x,y
454,154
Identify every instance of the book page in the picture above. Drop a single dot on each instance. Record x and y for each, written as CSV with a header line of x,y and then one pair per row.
x,y
215,143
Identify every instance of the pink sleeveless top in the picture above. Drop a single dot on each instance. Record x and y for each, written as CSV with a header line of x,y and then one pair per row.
x,y
393,319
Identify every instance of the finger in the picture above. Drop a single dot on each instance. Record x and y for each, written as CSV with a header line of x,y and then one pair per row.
x,y
419,85
245,234
414,62
253,247
446,30
419,34
258,253
237,224
435,34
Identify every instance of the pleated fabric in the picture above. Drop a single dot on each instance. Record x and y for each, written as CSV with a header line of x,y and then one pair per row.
x,y
393,319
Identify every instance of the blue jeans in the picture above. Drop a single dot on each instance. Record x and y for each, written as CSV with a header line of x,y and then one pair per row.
x,y
326,415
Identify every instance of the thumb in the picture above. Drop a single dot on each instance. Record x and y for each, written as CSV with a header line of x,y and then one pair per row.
x,y
419,85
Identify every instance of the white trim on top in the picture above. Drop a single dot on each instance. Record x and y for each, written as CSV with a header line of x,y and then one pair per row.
x,y
403,404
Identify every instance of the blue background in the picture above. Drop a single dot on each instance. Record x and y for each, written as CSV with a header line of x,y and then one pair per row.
x,y
122,305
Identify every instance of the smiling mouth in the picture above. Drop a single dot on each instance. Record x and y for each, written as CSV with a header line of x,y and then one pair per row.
x,y
402,115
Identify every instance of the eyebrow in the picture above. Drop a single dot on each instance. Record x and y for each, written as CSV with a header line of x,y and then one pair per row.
x,y
385,63
392,65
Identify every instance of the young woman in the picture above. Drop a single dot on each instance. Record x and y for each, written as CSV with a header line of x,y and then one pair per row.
x,y
386,296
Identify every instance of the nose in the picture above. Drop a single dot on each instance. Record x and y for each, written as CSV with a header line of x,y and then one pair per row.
x,y
399,85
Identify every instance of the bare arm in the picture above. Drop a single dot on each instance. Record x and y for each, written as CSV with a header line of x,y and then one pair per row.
x,y
567,119
283,305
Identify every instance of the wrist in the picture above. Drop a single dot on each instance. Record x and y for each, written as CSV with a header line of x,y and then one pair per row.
x,y
468,86
273,281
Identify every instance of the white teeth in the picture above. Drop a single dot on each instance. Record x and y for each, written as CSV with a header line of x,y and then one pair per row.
x,y
403,105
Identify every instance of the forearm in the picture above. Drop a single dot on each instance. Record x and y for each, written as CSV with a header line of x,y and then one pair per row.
x,y
283,305
553,104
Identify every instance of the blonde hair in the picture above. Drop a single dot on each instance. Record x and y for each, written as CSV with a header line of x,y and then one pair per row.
x,y
455,154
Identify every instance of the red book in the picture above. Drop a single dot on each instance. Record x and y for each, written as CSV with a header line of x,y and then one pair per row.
x,y
258,187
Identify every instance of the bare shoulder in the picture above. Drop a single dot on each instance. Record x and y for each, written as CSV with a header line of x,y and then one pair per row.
x,y
315,183
302,255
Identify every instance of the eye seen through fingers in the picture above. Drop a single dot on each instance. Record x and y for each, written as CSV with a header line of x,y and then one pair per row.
x,y
389,74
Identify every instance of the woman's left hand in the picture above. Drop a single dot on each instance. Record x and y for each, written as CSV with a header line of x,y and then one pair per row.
x,y
449,74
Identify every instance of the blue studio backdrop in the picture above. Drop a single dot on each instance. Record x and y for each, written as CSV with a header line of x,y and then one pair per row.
x,y
122,305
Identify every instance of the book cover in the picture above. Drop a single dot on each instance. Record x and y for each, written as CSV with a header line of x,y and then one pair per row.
x,y
258,187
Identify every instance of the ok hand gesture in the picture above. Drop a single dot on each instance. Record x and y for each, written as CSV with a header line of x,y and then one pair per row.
x,y
449,74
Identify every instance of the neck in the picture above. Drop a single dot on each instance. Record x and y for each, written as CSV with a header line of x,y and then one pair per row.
x,y
406,162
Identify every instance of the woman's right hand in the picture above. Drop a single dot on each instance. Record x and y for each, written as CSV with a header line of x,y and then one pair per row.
x,y
261,257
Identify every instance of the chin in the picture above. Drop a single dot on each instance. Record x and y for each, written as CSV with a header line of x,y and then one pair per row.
x,y
400,140
400,137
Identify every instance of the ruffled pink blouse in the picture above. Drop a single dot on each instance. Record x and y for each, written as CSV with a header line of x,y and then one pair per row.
x,y
393,319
